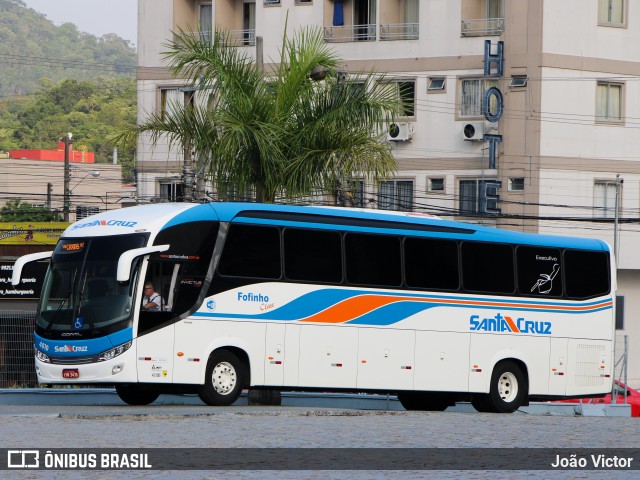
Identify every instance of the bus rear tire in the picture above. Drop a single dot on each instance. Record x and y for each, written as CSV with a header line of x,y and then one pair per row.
x,y
426,402
223,380
507,392
137,394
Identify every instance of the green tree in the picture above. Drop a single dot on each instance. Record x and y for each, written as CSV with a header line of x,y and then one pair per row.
x,y
279,131
94,110
17,211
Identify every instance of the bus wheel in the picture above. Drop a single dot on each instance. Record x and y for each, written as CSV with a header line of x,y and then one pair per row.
x,y
223,379
507,392
137,394
427,402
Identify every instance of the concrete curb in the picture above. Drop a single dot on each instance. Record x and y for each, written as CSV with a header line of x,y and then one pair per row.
x,y
108,397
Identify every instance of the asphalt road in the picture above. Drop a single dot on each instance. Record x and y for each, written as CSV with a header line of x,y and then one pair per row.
x,y
190,427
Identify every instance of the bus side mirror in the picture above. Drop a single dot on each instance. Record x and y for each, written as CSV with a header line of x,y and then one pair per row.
x,y
22,261
126,259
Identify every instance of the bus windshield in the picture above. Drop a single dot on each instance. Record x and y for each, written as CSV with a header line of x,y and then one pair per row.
x,y
80,296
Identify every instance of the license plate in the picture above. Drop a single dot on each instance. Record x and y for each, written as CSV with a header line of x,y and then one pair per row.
x,y
71,373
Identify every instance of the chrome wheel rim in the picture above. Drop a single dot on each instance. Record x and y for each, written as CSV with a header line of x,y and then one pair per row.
x,y
223,378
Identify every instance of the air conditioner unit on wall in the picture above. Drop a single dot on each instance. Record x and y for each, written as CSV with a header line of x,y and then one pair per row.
x,y
400,132
473,131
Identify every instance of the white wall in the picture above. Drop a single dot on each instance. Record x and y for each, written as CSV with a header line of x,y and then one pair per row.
x,y
571,28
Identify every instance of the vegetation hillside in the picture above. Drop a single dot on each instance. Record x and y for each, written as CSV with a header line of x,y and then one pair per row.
x,y
55,80
33,48
93,110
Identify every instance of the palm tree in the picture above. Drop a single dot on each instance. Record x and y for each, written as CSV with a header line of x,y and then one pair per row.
x,y
278,132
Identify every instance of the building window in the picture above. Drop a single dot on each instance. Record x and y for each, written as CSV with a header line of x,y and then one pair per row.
x,y
436,184
304,2
436,84
272,2
396,195
357,193
471,91
604,199
612,12
482,17
405,91
495,8
619,312
169,101
84,211
516,184
249,23
172,100
171,191
518,81
205,21
608,102
473,195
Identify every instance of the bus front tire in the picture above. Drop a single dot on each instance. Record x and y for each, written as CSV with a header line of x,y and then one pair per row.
x,y
223,379
137,394
508,390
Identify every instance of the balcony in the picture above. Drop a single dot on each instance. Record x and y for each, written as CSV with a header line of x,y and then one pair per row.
x,y
241,38
482,27
350,33
400,31
233,38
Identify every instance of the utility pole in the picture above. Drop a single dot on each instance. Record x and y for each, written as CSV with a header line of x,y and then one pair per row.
x,y
619,182
67,174
49,192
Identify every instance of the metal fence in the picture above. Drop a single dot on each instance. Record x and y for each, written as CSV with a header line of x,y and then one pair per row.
x,y
16,349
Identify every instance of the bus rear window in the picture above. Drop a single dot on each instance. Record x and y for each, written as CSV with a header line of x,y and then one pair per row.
x,y
586,273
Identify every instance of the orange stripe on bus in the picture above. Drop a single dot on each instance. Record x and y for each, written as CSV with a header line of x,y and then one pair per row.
x,y
512,325
355,307
351,308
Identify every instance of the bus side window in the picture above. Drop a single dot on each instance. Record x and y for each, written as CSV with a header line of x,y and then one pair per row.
x,y
313,255
539,271
431,263
251,251
373,260
487,267
587,273
183,268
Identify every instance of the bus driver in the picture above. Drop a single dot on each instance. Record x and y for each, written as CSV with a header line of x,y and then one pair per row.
x,y
151,301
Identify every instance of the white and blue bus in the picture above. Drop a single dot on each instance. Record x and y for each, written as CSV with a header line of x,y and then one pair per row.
x,y
320,298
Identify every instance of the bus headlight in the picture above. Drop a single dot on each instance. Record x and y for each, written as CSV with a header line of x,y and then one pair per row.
x,y
114,352
42,356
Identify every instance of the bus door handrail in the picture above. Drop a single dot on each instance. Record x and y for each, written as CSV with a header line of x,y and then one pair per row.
x,y
125,260
22,261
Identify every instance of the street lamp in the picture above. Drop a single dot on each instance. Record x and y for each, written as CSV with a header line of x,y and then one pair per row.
x,y
67,174
94,174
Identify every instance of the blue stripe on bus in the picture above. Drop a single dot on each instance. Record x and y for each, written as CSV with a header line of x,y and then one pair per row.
x,y
78,348
228,212
315,302
201,212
